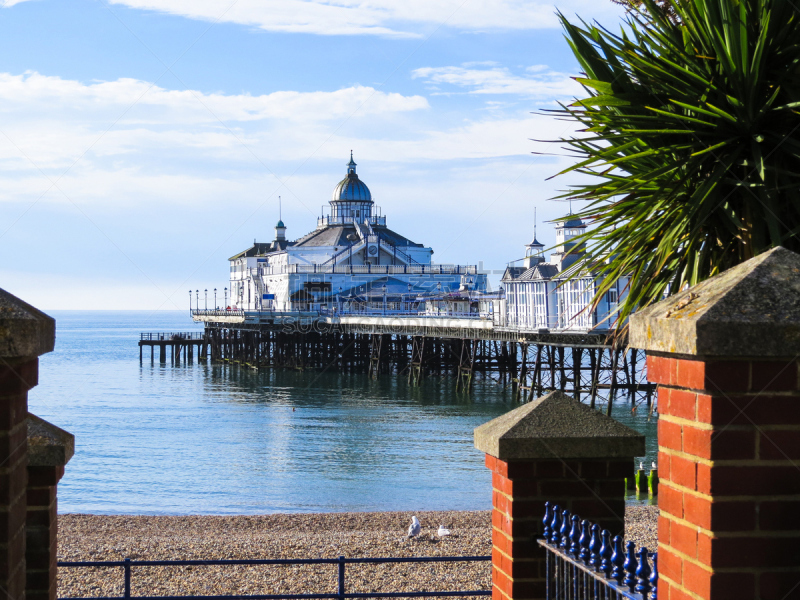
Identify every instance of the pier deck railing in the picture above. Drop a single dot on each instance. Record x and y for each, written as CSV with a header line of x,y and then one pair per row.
x,y
127,565
584,563
172,336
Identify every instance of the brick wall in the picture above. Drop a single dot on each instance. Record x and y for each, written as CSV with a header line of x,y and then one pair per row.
x,y
729,446
17,376
42,532
591,488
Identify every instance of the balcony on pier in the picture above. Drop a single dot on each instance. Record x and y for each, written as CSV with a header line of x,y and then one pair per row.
x,y
329,220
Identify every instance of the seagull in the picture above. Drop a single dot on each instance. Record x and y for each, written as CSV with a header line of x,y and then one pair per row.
x,y
414,528
443,531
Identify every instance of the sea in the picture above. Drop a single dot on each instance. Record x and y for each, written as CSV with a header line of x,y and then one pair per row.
x,y
227,440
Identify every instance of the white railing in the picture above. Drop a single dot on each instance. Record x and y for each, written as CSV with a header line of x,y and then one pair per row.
x,y
327,220
415,269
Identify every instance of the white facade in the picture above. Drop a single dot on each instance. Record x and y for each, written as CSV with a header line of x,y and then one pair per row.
x,y
350,253
544,295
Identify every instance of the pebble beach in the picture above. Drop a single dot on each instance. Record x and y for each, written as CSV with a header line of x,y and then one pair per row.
x,y
326,535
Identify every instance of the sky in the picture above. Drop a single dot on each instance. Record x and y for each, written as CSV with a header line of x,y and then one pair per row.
x,y
144,142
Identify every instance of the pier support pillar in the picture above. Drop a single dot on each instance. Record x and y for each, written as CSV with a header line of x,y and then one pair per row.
x,y
555,450
725,356
25,334
49,449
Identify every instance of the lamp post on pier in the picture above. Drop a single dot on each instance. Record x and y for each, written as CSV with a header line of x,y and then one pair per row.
x,y
226,298
197,299
384,299
339,300
206,299
408,303
215,299
190,301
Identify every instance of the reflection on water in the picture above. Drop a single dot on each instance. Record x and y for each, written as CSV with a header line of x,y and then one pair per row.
x,y
226,440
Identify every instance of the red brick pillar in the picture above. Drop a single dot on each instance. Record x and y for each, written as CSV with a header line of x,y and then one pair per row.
x,y
25,334
555,450
49,449
724,354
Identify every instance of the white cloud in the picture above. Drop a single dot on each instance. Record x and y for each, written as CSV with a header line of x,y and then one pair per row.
x,y
194,106
51,122
374,17
541,82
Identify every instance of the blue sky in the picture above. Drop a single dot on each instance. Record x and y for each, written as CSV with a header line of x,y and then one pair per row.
x,y
142,143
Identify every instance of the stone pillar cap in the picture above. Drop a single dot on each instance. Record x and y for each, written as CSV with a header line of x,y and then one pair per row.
x,y
752,309
48,445
24,330
557,426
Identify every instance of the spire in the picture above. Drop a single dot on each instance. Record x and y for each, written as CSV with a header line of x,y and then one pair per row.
x,y
535,247
351,166
280,228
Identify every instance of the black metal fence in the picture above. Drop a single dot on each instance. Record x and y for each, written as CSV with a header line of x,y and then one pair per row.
x,y
584,563
127,565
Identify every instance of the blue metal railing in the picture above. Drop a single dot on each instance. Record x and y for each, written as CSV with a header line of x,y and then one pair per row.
x,y
340,594
584,563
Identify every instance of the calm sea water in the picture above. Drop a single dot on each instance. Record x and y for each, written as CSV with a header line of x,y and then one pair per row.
x,y
203,439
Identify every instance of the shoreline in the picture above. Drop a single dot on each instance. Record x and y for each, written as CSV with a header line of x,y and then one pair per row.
x,y
290,536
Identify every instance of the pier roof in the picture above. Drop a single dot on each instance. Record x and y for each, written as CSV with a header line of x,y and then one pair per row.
x,y
261,248
336,235
536,272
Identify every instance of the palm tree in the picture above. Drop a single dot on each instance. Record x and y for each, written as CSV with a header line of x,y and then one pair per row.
x,y
690,138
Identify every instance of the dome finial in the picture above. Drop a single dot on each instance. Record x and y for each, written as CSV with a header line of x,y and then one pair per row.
x,y
351,166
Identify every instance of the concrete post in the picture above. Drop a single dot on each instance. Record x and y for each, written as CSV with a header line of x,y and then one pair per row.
x,y
558,450
724,354
25,334
49,449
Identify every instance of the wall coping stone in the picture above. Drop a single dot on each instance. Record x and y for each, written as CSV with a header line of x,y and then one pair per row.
x,y
557,426
48,445
749,310
24,330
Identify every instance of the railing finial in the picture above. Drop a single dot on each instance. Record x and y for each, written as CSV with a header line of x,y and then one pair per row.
x,y
575,536
594,548
643,574
548,517
605,553
618,560
555,526
630,566
585,539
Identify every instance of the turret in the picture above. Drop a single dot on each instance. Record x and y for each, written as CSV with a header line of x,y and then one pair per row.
x,y
280,232
534,252
568,251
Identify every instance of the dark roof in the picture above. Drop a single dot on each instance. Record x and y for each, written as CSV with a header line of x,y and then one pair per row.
x,y
336,235
536,272
262,248
570,221
394,238
512,273
575,268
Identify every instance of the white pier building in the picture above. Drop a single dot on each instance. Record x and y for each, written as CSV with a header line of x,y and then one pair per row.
x,y
543,295
352,259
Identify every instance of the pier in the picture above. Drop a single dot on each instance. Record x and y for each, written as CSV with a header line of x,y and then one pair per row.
x,y
355,296
589,365
178,343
